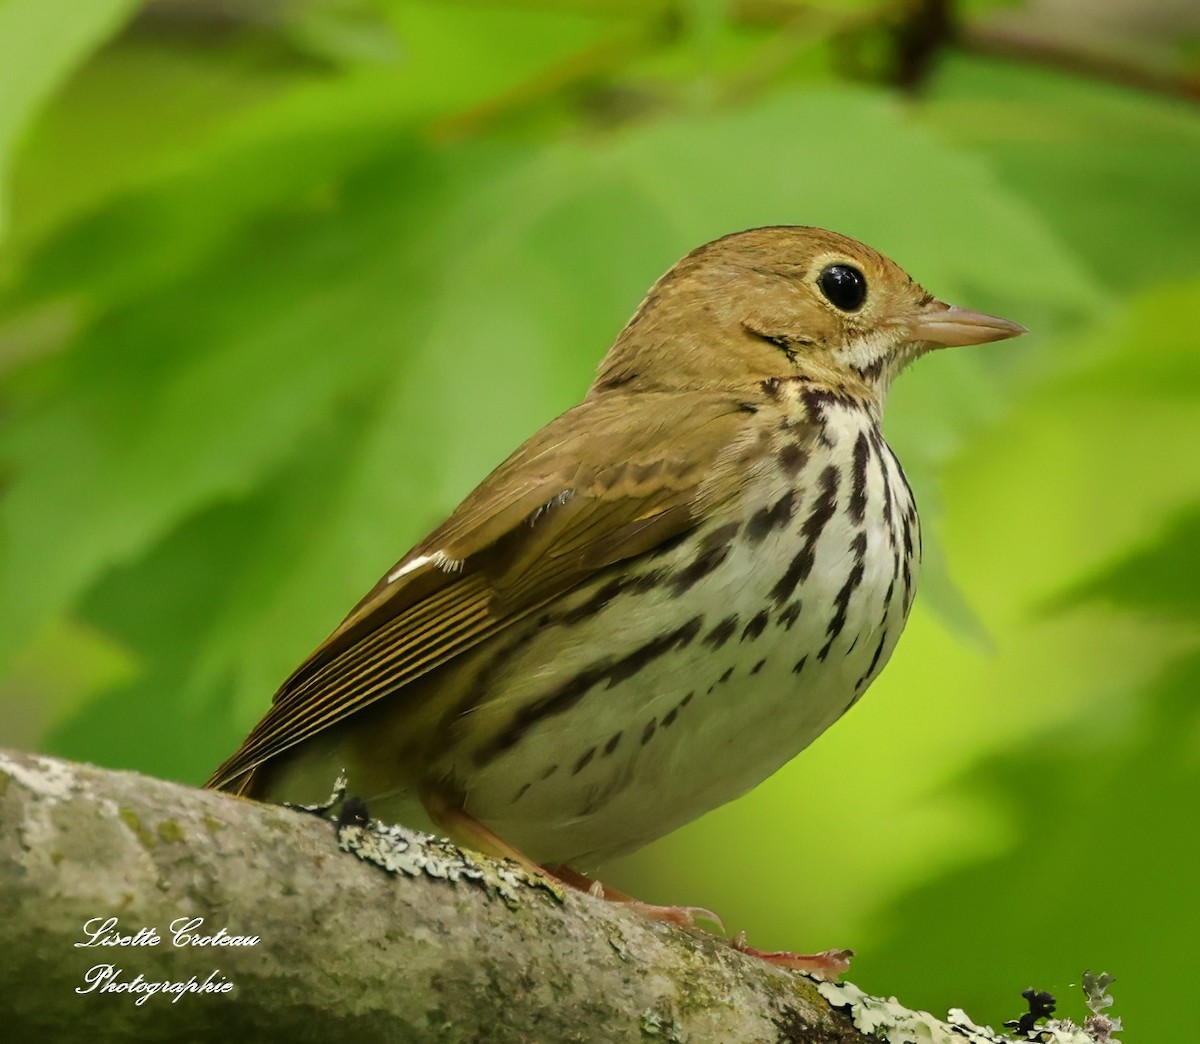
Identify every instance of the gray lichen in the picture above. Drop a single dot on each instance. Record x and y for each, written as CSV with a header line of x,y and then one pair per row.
x,y
659,1025
888,1019
401,850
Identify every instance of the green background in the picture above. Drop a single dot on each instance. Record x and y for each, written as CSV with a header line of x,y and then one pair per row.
x,y
280,282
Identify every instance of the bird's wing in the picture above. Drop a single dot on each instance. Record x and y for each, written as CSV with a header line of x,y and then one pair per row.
x,y
604,482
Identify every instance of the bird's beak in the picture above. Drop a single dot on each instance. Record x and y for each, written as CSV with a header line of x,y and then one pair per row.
x,y
947,326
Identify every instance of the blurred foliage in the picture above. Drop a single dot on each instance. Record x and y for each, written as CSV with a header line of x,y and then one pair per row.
x,y
41,43
280,282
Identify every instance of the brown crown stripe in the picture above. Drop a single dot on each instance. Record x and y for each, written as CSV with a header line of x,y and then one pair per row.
x,y
822,511
572,691
856,506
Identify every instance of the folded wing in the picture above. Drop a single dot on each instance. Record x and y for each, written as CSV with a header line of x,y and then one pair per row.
x,y
605,482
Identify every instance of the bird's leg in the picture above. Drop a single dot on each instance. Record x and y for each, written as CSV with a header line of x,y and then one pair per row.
x,y
827,965
461,826
450,816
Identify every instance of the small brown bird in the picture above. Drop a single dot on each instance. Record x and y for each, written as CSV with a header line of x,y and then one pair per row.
x,y
662,596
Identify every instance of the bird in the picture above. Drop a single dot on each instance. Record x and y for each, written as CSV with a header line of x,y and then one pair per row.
x,y
663,595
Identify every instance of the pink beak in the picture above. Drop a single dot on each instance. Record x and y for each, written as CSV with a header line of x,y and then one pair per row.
x,y
947,326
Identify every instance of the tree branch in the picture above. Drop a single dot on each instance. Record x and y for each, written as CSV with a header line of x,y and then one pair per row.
x,y
1016,44
447,947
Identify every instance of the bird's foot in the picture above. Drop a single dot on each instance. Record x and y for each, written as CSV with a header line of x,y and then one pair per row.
x,y
462,826
682,916
826,966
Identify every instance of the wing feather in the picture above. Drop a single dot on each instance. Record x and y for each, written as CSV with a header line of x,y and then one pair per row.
x,y
596,486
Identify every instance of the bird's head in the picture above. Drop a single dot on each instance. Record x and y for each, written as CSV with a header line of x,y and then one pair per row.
x,y
781,301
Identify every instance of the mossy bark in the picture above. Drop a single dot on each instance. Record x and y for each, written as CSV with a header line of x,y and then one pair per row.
x,y
345,950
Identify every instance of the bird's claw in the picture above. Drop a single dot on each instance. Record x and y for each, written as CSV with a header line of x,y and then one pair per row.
x,y
826,966
681,916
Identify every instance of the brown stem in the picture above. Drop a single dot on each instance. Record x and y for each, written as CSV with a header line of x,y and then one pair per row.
x,y
1021,46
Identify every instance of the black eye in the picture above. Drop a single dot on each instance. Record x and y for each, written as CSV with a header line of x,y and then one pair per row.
x,y
844,286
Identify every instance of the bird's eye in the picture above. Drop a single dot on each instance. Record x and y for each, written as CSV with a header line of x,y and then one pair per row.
x,y
844,286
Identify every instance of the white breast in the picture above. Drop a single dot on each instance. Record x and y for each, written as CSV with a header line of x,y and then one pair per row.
x,y
699,696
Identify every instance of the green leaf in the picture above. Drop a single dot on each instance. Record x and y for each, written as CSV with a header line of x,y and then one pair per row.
x,y
1110,169
1163,577
199,390
41,42
104,132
